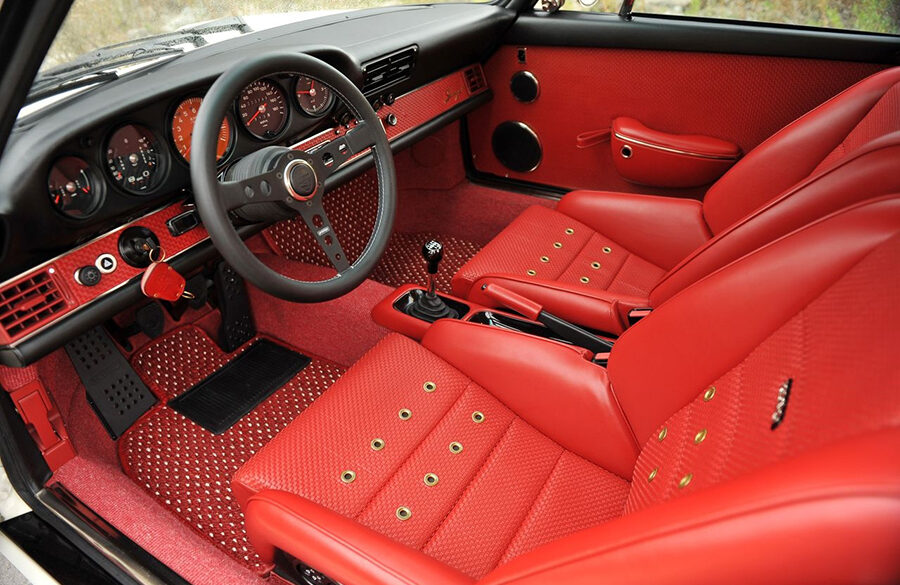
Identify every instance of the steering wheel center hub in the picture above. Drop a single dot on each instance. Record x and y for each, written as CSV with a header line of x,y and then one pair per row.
x,y
300,180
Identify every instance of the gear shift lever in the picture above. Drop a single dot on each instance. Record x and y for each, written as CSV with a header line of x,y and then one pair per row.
x,y
428,306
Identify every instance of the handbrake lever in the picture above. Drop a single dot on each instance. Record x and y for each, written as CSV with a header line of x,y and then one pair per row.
x,y
531,310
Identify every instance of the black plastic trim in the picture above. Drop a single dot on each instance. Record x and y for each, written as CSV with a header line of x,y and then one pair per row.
x,y
678,33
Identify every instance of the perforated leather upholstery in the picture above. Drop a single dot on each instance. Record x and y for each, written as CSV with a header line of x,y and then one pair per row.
x,y
669,465
841,152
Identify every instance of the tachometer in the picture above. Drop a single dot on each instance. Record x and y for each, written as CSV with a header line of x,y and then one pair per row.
x,y
72,192
262,107
183,128
134,159
313,97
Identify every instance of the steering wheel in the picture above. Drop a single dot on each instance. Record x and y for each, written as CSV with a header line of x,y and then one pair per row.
x,y
293,179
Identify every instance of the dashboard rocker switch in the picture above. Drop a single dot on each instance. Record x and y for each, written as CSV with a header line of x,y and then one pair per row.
x,y
88,276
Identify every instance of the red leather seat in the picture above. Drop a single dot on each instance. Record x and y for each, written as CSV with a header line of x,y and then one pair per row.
x,y
747,431
599,254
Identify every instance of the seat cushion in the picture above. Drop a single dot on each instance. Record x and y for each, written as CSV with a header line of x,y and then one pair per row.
x,y
509,490
548,245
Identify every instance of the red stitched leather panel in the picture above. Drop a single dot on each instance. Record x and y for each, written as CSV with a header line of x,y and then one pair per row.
x,y
498,497
188,469
539,244
740,98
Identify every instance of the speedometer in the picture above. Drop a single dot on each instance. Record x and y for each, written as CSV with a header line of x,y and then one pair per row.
x,y
262,107
134,159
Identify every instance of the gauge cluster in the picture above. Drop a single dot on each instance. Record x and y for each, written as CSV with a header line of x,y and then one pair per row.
x,y
148,154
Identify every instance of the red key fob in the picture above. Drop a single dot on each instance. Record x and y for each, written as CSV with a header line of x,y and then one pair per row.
x,y
161,281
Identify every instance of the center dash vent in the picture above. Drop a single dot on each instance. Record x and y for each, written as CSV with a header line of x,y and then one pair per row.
x,y
475,79
26,304
388,70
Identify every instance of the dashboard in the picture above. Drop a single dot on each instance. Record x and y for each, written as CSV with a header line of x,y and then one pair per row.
x,y
83,180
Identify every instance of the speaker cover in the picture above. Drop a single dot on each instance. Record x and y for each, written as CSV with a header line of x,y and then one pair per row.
x,y
524,86
517,146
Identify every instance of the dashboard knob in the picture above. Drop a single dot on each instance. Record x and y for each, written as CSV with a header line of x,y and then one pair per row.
x,y
391,119
88,276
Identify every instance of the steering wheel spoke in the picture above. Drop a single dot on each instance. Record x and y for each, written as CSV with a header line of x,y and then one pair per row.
x,y
335,153
264,188
317,221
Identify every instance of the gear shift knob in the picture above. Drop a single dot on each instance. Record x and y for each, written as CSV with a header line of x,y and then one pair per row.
x,y
433,252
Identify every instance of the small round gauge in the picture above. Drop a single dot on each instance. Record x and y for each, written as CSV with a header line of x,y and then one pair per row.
x,y
313,97
72,192
183,128
134,159
263,109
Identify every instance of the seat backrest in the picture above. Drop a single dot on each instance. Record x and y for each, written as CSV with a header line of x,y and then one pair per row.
x,y
766,398
804,147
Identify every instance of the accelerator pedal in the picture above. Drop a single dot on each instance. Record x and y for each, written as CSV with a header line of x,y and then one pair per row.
x,y
237,323
114,390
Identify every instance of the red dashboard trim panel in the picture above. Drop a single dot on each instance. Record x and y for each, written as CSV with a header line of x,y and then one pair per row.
x,y
408,112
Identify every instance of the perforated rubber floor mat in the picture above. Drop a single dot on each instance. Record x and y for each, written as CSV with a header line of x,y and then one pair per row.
x,y
351,209
189,469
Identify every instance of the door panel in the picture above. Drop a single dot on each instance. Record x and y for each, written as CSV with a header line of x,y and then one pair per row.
x,y
739,98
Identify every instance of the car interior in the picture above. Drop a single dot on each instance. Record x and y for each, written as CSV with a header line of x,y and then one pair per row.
x,y
461,293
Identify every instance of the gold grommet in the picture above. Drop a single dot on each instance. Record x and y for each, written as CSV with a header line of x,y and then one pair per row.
x,y
557,245
584,280
685,481
377,444
404,414
530,272
404,513
698,438
570,231
545,259
652,475
595,265
430,479
429,386
478,416
662,434
708,395
456,447
607,249
348,476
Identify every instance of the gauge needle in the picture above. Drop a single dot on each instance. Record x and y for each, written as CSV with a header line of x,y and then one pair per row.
x,y
259,110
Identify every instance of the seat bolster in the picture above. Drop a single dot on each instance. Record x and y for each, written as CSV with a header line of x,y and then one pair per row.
x,y
662,230
343,549
550,385
828,516
593,308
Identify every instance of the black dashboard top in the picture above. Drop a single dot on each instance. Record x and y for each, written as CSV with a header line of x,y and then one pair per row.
x,y
140,106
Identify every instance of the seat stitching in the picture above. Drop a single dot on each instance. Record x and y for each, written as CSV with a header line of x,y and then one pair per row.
x,y
397,469
531,508
475,476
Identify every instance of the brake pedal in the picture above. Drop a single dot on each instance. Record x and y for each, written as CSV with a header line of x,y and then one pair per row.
x,y
237,322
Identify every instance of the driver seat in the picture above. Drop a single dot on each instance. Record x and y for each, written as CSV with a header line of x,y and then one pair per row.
x,y
746,431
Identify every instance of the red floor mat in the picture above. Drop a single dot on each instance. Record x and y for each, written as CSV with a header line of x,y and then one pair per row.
x,y
188,469
351,209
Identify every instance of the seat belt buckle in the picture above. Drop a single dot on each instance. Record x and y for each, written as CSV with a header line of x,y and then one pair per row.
x,y
44,423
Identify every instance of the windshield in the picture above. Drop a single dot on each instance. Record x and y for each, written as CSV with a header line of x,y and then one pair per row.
x,y
94,24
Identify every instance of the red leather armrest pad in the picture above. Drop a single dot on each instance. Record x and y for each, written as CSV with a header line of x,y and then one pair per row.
x,y
550,385
689,143
341,548
662,230
827,516
596,309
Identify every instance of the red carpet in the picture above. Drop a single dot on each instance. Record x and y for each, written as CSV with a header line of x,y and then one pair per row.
x,y
187,469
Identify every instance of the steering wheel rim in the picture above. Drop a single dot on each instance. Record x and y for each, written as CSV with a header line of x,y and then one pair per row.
x,y
282,175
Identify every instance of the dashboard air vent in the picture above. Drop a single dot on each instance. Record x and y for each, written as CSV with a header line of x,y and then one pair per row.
x,y
29,303
475,79
388,70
